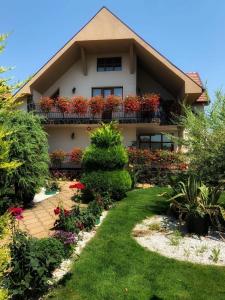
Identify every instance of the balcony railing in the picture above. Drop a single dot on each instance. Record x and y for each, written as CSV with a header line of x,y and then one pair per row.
x,y
120,115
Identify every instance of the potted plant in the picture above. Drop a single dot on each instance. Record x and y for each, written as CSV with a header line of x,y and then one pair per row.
x,y
63,105
112,102
57,157
150,102
96,105
46,104
76,155
79,105
131,104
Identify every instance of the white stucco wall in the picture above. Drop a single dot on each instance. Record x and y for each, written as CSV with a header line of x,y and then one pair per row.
x,y
74,77
60,137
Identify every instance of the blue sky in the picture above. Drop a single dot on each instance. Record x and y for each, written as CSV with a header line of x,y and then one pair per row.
x,y
189,33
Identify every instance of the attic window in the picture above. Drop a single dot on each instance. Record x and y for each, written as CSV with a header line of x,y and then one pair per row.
x,y
109,64
55,95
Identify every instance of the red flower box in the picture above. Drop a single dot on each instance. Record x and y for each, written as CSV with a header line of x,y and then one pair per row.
x,y
112,102
76,155
46,104
79,105
96,105
150,102
131,104
63,105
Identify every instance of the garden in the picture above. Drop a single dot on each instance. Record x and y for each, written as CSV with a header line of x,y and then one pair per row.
x,y
118,240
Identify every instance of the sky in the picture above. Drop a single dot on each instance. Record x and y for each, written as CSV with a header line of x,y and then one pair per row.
x,y
190,33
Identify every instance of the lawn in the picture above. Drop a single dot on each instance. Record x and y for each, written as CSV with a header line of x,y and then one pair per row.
x,y
114,266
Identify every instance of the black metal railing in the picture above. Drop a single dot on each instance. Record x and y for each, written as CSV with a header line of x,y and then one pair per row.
x,y
55,116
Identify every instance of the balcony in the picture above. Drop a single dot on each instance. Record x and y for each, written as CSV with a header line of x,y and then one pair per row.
x,y
55,116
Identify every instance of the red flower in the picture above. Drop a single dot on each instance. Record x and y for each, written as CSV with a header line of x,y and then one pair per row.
x,y
79,225
77,185
16,212
57,210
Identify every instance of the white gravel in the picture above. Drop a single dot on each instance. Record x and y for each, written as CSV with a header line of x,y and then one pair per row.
x,y
160,234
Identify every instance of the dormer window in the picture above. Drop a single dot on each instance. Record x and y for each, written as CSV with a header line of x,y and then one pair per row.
x,y
109,64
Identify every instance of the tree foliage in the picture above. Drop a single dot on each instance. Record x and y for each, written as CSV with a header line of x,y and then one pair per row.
x,y
204,139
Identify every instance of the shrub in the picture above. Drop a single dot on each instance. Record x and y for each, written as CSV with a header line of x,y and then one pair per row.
x,y
79,105
106,136
112,158
139,156
96,105
131,104
46,104
116,183
29,145
32,262
112,102
76,155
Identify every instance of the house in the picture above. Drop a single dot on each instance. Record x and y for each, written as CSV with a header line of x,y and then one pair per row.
x,y
107,57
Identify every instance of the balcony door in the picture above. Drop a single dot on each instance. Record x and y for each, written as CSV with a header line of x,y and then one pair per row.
x,y
104,92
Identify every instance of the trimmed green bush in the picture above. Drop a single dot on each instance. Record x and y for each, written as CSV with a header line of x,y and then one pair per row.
x,y
112,158
116,182
106,136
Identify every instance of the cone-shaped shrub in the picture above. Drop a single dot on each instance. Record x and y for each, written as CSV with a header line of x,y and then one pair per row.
x,y
104,161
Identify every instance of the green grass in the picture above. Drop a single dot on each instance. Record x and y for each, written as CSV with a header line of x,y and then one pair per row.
x,y
113,266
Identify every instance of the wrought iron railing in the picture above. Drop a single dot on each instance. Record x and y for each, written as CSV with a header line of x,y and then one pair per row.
x,y
55,116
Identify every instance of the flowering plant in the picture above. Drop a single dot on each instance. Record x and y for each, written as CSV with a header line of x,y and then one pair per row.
x,y
112,102
58,211
58,155
46,104
76,155
79,105
67,238
77,185
131,104
150,102
96,105
16,212
63,104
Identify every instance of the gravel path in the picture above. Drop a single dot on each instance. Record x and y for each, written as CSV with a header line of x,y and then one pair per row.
x,y
160,234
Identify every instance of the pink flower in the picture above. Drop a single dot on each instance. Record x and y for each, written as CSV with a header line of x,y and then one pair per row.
x,y
16,212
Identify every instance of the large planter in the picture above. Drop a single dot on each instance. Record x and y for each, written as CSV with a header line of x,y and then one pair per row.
x,y
197,224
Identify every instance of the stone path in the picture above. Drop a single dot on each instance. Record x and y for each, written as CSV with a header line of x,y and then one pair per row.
x,y
39,220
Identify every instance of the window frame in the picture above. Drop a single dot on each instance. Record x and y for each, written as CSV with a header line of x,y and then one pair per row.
x,y
107,88
104,65
150,142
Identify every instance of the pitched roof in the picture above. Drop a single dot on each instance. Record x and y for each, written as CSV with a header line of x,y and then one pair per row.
x,y
196,77
105,26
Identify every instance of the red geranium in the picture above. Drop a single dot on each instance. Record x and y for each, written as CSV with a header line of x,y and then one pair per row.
x,y
76,155
46,104
96,105
131,104
77,185
79,105
59,210
63,104
112,102
16,212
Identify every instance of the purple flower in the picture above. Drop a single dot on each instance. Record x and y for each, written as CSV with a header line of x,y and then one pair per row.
x,y
68,238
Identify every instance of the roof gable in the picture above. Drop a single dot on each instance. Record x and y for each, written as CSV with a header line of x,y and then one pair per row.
x,y
106,26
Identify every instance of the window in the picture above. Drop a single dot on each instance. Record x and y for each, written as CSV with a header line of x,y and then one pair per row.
x,y
117,91
109,64
155,142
